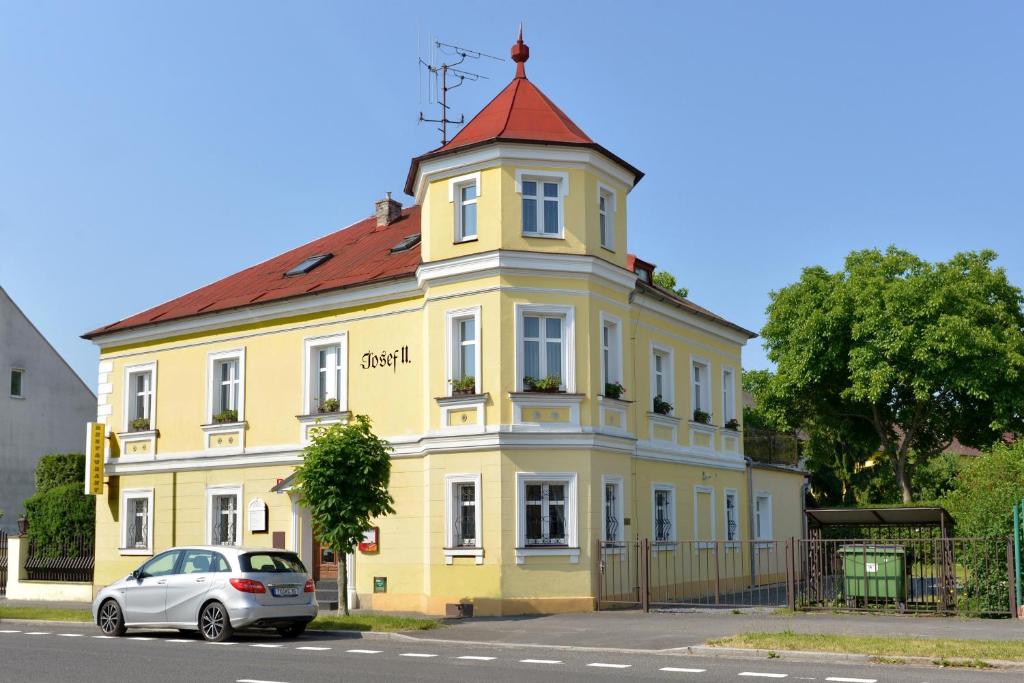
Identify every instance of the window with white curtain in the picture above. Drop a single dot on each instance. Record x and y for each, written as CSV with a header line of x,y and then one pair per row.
x,y
543,337
226,384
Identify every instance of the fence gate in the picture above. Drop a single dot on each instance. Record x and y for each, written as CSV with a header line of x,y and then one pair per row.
x,y
3,562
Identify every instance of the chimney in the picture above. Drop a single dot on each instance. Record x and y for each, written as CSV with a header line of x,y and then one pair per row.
x,y
388,210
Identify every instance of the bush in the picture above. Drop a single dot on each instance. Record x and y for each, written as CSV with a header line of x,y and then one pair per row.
x,y
60,515
59,469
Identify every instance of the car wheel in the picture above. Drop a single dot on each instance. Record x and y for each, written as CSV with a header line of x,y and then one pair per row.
x,y
292,630
214,624
111,619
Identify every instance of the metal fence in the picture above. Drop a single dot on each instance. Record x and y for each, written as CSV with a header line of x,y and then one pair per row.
x,y
3,562
968,576
69,561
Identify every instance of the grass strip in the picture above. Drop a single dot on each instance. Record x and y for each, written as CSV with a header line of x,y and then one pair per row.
x,y
372,622
944,650
45,613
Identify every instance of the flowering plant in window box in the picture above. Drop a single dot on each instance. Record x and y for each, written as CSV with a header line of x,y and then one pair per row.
x,y
548,385
139,424
661,406
463,386
226,416
701,417
330,405
614,390
733,424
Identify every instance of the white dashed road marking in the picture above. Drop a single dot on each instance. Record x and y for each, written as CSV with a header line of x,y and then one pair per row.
x,y
179,640
8,631
476,658
415,654
840,679
264,645
256,680
139,638
679,670
37,633
757,674
226,642
315,649
602,665
364,652
70,635
541,661
104,637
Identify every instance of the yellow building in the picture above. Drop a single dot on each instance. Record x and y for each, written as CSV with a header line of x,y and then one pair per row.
x,y
485,330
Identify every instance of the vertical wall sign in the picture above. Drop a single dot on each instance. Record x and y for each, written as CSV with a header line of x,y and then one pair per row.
x,y
95,440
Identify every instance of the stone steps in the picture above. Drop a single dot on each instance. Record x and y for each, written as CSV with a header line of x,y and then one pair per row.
x,y
327,595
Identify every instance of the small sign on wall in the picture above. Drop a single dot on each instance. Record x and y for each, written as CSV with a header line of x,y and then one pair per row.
x,y
371,540
257,516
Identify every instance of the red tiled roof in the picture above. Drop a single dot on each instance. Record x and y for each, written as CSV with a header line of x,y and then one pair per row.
x,y
361,254
520,113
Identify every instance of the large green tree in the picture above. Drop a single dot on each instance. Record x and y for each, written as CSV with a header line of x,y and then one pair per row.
x,y
920,352
343,482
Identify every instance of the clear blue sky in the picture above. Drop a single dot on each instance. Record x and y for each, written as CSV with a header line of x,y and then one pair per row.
x,y
149,148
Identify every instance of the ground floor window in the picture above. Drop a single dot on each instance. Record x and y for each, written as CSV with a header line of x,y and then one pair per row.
x,y
613,509
763,516
664,514
223,520
732,525
547,510
462,506
136,521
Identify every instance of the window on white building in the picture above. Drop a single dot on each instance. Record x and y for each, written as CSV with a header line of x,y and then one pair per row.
x,y
542,206
543,339
17,383
763,516
136,521
732,518
224,521
465,211
664,512
728,396
606,217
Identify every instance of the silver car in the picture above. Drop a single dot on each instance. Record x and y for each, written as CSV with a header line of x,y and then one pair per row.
x,y
212,589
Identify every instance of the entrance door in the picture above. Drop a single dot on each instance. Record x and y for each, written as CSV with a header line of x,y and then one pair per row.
x,y
325,563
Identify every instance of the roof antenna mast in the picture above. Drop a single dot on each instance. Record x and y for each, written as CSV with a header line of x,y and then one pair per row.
x,y
438,75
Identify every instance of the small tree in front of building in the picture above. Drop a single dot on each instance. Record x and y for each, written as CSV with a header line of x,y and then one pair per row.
x,y
343,482
60,515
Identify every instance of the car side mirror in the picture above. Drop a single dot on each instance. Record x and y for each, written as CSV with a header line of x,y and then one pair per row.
x,y
138,575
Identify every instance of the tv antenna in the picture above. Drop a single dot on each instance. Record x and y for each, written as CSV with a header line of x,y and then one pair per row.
x,y
438,75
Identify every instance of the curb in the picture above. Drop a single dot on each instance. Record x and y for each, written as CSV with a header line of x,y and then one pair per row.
x,y
846,657
45,622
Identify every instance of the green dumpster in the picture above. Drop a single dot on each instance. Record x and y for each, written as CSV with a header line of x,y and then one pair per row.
x,y
874,572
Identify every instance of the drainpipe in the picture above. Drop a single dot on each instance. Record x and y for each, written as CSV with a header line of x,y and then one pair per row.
x,y
750,516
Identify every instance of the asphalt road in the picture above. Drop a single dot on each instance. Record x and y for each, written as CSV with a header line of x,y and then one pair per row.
x,y
45,652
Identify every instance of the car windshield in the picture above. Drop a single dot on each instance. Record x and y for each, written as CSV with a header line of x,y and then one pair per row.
x,y
272,562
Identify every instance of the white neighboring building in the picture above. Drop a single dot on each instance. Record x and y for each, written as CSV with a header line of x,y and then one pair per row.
x,y
44,406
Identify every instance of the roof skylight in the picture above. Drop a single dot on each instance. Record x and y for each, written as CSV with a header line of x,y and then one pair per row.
x,y
406,243
308,264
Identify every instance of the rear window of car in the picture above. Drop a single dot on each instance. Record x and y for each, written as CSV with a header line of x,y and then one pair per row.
x,y
281,563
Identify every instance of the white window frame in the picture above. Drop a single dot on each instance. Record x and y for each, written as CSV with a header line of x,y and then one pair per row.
x,y
129,392
668,374
732,494
620,507
21,382
568,342
699,490
215,491
453,345
728,394
310,368
132,494
758,530
455,186
451,506
610,212
213,380
541,176
705,386
673,519
611,354
571,549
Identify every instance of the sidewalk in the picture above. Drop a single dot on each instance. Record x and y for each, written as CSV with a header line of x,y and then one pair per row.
x,y
663,631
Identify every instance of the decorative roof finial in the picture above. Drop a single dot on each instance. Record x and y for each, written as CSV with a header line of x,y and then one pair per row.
x,y
520,53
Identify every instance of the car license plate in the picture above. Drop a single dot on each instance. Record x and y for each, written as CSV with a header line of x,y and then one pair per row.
x,y
289,592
